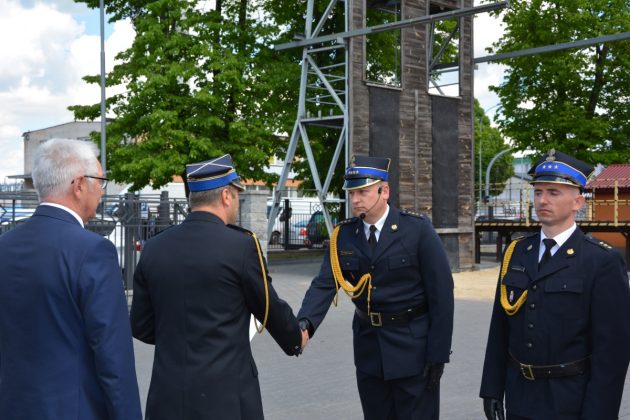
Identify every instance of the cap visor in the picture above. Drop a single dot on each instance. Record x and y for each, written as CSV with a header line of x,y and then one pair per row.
x,y
354,184
237,184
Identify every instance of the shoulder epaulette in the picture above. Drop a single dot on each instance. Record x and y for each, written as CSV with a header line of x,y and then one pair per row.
x,y
348,221
599,243
240,229
411,213
524,236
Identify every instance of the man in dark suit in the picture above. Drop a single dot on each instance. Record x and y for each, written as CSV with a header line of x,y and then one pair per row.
x,y
195,287
559,340
65,341
393,264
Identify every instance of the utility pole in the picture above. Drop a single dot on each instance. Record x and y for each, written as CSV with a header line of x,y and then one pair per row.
x,y
103,111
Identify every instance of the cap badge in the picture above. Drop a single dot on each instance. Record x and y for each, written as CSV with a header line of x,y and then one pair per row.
x,y
551,155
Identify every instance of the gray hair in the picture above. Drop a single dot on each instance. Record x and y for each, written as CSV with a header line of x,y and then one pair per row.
x,y
58,161
208,197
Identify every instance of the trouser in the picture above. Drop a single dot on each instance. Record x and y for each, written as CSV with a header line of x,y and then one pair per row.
x,y
397,399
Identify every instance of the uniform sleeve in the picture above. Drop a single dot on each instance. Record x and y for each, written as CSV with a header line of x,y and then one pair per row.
x,y
104,309
438,283
281,323
319,295
142,313
495,364
610,329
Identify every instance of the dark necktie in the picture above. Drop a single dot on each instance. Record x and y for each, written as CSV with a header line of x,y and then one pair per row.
x,y
372,238
549,243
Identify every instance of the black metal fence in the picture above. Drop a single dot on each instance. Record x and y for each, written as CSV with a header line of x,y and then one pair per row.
x,y
301,226
127,220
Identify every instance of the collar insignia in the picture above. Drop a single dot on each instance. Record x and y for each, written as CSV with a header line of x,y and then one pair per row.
x,y
394,227
529,248
570,251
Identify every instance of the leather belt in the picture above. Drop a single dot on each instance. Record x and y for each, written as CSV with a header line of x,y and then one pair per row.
x,y
378,319
533,372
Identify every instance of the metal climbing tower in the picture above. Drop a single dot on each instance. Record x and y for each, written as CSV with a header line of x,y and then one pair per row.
x,y
373,73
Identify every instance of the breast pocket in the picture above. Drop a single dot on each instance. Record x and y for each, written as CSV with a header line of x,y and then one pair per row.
x,y
564,297
349,263
398,262
516,282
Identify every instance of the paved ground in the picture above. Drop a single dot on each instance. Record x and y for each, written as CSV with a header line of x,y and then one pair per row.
x,y
320,384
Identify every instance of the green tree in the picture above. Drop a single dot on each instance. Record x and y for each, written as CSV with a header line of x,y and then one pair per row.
x,y
199,82
490,140
574,100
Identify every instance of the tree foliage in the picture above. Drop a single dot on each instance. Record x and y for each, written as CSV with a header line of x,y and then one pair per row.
x,y
491,142
200,81
575,100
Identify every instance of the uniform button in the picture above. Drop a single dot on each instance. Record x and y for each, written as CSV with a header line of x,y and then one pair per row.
x,y
564,286
532,306
403,260
529,345
530,325
534,287
372,267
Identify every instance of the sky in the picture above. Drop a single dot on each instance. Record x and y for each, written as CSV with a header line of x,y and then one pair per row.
x,y
49,45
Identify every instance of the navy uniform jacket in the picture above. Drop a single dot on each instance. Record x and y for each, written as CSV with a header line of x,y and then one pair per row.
x,y
65,342
195,287
578,305
409,268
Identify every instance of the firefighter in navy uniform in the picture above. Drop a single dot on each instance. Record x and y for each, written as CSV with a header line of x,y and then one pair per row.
x,y
195,286
394,266
558,346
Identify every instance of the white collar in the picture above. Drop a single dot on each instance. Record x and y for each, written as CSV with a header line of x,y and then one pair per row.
x,y
560,239
379,224
59,206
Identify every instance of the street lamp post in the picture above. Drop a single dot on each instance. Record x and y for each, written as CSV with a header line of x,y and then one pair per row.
x,y
481,148
488,169
103,98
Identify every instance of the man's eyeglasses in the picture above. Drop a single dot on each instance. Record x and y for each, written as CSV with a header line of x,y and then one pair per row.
x,y
103,181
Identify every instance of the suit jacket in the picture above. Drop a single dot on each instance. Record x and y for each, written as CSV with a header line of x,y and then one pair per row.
x,y
409,268
65,340
195,287
577,306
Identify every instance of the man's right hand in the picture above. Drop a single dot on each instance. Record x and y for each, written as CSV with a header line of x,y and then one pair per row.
x,y
493,409
304,339
304,325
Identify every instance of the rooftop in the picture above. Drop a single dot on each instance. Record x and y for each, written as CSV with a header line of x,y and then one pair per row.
x,y
619,172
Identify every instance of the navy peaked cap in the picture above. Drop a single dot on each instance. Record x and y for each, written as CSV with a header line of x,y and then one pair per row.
x,y
560,168
364,171
211,174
